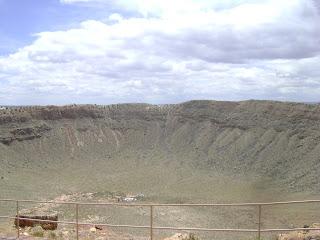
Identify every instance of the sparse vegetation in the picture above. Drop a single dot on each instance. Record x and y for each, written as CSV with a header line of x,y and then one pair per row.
x,y
52,235
37,232
191,236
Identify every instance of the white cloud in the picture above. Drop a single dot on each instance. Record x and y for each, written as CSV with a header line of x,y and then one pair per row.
x,y
196,49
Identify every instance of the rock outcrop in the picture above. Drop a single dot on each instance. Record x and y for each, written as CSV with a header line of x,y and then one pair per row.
x,y
25,133
45,222
302,235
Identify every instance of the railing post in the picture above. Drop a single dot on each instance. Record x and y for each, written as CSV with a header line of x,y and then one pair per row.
x,y
259,222
77,221
151,222
18,220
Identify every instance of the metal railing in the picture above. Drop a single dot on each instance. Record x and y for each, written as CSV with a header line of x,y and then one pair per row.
x,y
152,206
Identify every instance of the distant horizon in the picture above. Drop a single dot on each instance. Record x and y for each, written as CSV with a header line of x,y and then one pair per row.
x,y
155,104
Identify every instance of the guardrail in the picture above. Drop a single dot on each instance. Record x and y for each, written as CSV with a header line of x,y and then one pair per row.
x,y
151,226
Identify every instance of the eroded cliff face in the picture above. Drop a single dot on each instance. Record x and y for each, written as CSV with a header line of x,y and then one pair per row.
x,y
279,141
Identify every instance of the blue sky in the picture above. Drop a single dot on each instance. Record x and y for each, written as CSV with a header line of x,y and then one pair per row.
x,y
114,51
21,19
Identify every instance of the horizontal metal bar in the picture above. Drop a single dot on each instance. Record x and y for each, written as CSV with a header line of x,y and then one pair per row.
x,y
205,229
79,203
113,225
74,223
170,228
235,230
134,226
289,229
39,220
164,205
38,201
290,202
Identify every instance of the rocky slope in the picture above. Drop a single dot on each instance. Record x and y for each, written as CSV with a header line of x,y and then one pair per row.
x,y
263,139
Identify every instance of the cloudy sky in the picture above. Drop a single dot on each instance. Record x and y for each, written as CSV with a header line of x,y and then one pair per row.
x,y
158,51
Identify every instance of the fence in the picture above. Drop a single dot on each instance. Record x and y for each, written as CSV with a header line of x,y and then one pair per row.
x,y
151,227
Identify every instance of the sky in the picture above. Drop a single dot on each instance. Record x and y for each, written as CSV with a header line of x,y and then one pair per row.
x,y
158,51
